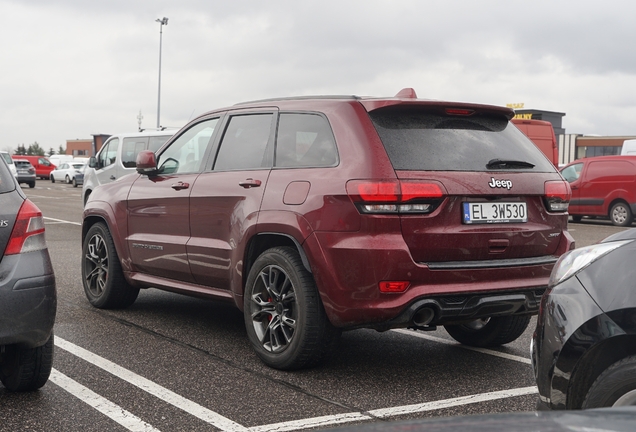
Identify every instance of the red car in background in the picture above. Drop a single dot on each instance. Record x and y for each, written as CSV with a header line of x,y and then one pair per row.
x,y
43,166
315,215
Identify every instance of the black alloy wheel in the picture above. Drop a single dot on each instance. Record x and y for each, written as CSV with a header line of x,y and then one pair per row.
x,y
102,276
284,317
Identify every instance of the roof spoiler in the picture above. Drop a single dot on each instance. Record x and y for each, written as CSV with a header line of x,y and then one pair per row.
x,y
406,93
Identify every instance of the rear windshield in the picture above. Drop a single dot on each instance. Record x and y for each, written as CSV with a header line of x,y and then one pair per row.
x,y
418,140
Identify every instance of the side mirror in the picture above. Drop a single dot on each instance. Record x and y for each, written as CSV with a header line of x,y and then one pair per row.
x,y
146,162
92,162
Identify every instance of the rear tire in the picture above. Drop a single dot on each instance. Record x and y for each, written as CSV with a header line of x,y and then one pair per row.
x,y
284,316
32,185
26,369
616,386
577,218
102,276
489,332
67,180
621,215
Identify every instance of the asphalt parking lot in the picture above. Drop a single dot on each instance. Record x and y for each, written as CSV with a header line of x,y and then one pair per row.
x,y
174,363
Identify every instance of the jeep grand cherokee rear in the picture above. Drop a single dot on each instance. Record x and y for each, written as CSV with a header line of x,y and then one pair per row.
x,y
321,214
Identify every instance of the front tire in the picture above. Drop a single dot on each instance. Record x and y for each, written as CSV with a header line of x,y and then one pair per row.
x,y
52,179
489,332
616,386
102,276
74,182
284,316
26,369
621,215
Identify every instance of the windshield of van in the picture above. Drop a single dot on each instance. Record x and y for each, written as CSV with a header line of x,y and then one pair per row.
x,y
420,140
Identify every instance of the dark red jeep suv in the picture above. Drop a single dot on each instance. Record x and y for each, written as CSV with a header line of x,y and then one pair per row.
x,y
315,215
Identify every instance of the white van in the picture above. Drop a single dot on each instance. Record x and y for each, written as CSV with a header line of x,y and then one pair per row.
x,y
118,156
629,147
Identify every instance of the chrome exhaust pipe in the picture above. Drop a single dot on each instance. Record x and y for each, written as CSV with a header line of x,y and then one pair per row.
x,y
423,316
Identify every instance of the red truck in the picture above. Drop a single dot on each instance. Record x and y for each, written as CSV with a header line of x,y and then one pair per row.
x,y
541,133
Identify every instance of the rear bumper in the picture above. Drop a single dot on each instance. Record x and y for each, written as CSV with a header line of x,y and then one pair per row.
x,y
347,268
28,299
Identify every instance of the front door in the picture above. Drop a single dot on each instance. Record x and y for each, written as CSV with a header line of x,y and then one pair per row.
x,y
159,206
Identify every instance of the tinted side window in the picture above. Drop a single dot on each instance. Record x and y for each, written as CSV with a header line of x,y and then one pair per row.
x,y
304,140
6,178
186,153
244,142
423,141
130,149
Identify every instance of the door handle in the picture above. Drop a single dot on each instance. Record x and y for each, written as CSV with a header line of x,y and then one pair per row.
x,y
249,183
180,186
113,177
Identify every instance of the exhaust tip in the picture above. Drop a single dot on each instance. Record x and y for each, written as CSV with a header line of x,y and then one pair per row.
x,y
423,316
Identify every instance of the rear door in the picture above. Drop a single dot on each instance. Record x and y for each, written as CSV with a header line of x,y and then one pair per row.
x,y
226,199
159,205
492,181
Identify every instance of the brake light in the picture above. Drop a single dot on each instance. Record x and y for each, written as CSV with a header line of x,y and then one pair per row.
x,y
395,196
557,195
459,111
28,231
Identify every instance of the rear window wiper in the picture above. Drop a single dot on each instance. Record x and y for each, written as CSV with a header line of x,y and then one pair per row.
x,y
508,164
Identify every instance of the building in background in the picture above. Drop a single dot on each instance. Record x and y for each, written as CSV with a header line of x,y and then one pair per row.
x,y
573,146
85,147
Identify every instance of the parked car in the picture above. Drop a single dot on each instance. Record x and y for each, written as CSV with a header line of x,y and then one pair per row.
x,y
78,179
67,171
25,171
9,160
117,157
42,165
541,133
27,291
584,347
629,147
320,214
603,186
597,420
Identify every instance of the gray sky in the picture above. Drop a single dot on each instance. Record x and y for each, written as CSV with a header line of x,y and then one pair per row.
x,y
72,68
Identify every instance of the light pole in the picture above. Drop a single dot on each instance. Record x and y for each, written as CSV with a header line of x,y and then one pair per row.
x,y
163,21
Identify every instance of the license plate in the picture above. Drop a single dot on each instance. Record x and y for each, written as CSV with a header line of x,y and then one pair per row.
x,y
495,212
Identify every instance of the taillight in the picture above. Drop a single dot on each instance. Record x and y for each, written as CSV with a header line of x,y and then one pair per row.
x,y
557,195
28,231
395,196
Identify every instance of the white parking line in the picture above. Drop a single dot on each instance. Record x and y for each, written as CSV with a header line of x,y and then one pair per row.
x,y
394,411
148,386
61,221
458,345
101,404
226,424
